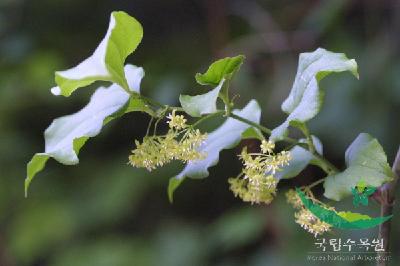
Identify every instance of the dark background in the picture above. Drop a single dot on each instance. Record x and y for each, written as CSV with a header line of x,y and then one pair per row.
x,y
104,212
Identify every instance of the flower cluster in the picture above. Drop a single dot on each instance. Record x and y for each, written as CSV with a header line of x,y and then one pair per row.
x,y
256,183
293,199
180,143
304,217
312,224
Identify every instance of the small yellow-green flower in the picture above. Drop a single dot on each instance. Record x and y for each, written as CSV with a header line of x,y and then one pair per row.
x,y
267,146
176,121
256,183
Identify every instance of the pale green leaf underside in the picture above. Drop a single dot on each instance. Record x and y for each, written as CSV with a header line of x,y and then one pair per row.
x,y
201,104
107,62
221,69
305,98
366,161
224,137
66,135
300,159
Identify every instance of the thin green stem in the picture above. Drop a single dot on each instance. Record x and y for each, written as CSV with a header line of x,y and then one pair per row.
x,y
251,123
323,163
310,141
160,117
149,126
260,127
206,117
154,102
327,166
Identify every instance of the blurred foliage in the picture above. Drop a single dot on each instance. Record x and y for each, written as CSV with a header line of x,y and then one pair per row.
x,y
103,212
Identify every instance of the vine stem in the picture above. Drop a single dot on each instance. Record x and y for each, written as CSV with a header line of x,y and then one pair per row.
x,y
322,162
153,102
387,191
207,117
251,123
325,165
308,136
388,196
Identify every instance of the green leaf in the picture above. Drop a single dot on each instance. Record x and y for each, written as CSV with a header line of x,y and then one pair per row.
x,y
365,160
226,136
305,98
300,159
66,135
201,104
221,69
133,105
173,184
107,62
344,220
252,133
35,165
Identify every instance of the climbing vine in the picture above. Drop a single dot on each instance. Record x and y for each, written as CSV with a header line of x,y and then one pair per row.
x,y
366,169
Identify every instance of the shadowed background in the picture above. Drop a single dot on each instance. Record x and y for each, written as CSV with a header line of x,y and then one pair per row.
x,y
104,212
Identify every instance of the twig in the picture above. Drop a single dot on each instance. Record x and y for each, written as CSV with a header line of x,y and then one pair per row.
x,y
316,183
327,166
204,118
388,196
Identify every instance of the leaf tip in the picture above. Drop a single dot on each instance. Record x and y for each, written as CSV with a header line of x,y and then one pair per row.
x,y
354,68
26,186
173,184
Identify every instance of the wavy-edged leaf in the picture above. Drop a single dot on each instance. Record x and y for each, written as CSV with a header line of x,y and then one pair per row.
x,y
107,62
365,160
226,136
343,220
66,135
201,104
305,98
221,69
300,158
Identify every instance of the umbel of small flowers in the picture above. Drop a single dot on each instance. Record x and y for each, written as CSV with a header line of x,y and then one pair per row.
x,y
256,183
180,143
304,217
